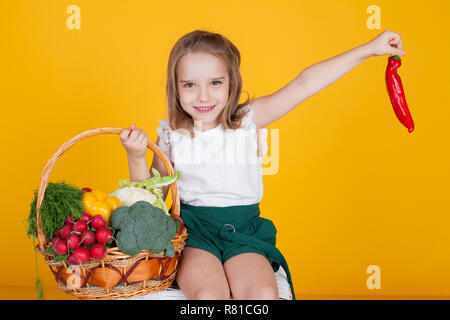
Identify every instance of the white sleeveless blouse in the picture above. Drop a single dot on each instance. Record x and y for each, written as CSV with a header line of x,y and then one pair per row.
x,y
218,167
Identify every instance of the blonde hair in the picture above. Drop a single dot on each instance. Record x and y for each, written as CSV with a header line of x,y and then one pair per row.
x,y
222,48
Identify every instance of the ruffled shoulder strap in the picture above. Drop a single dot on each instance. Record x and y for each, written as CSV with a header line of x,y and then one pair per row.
x,y
164,133
260,141
247,120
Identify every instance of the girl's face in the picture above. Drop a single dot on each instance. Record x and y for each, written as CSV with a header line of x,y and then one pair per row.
x,y
203,86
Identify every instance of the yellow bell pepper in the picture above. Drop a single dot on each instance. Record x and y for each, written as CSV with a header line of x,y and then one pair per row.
x,y
97,202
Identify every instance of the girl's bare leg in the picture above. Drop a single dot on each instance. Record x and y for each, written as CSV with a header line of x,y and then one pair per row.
x,y
251,277
201,276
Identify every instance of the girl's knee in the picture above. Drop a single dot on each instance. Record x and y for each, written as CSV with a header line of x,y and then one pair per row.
x,y
210,293
262,292
266,293
196,288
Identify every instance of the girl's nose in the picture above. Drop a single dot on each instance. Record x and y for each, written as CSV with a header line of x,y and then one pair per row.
x,y
204,95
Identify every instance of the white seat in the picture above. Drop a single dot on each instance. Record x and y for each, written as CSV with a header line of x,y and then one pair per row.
x,y
174,292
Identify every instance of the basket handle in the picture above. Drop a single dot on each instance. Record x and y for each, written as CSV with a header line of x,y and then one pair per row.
x,y
84,135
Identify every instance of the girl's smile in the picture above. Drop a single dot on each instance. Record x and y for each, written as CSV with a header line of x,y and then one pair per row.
x,y
205,109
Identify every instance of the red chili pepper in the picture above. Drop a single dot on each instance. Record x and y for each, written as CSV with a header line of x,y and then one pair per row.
x,y
396,93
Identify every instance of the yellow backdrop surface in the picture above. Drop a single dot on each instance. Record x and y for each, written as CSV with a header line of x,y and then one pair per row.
x,y
354,189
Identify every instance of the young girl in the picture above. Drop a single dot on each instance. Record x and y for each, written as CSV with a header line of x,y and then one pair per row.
x,y
217,144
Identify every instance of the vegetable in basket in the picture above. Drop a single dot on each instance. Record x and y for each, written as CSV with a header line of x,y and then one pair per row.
x,y
143,227
76,245
60,201
130,195
148,190
98,202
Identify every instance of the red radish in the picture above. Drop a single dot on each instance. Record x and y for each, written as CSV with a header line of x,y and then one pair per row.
x,y
85,217
73,241
80,255
69,220
80,226
103,235
55,239
98,251
181,223
60,247
65,231
98,222
88,237
71,259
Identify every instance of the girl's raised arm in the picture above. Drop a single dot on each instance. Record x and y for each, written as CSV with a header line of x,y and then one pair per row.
x,y
317,77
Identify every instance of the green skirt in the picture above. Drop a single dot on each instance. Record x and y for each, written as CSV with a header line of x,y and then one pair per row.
x,y
229,231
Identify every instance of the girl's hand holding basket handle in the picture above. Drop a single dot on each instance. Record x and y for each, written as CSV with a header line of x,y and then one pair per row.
x,y
135,142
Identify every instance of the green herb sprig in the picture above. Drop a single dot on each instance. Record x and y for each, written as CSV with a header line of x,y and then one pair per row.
x,y
60,200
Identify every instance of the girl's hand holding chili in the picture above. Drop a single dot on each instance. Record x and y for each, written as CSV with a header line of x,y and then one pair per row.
x,y
387,43
390,43
135,141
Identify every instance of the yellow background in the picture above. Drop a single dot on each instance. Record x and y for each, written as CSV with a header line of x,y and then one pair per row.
x,y
354,188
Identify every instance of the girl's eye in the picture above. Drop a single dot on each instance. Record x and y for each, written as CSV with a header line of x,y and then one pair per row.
x,y
192,83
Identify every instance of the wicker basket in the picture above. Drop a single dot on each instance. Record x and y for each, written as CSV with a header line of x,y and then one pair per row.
x,y
117,275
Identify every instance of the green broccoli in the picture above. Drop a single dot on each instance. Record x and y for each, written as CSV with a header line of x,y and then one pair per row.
x,y
143,227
